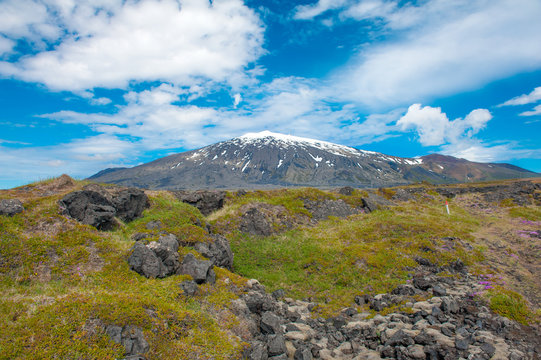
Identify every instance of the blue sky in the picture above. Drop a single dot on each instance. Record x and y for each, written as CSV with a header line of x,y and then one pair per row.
x,y
86,85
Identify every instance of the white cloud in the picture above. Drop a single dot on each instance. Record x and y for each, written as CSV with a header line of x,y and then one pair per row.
x,y
535,111
151,118
79,158
308,12
237,98
434,128
6,45
441,48
530,98
370,9
109,44
480,152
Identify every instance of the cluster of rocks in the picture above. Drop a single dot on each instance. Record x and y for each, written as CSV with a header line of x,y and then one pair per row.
x,y
129,336
266,219
521,192
159,259
99,207
206,201
450,324
11,207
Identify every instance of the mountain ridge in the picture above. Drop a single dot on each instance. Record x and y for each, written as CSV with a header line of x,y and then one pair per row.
x,y
266,159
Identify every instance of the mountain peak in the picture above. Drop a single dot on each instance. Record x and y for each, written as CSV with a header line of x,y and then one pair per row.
x,y
277,136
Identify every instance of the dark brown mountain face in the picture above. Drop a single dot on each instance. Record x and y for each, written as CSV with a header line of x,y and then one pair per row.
x,y
262,160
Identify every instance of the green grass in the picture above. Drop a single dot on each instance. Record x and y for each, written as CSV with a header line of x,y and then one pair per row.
x,y
340,258
528,213
56,275
509,304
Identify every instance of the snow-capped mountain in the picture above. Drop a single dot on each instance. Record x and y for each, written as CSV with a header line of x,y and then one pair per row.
x,y
267,159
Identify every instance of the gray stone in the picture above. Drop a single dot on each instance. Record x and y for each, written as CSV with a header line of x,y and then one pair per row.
x,y
462,344
145,262
89,207
258,351
131,337
488,349
270,323
200,270
206,201
439,291
219,251
130,204
303,354
449,305
189,287
276,344
10,207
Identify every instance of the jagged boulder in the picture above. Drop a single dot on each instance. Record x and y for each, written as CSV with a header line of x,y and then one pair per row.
x,y
255,222
200,270
346,190
95,206
322,209
219,251
158,259
89,207
374,202
131,337
10,207
130,203
206,201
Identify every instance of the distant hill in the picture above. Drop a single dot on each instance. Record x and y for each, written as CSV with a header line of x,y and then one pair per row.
x,y
265,159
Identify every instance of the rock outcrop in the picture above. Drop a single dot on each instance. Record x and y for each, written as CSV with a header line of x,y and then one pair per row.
x,y
10,207
158,259
450,324
97,207
206,201
322,209
218,251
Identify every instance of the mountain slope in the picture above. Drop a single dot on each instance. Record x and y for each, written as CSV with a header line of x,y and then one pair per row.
x,y
268,159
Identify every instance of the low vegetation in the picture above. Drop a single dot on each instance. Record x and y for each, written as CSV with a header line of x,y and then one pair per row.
x,y
58,276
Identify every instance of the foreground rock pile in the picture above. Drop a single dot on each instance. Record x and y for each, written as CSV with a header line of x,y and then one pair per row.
x,y
98,207
450,324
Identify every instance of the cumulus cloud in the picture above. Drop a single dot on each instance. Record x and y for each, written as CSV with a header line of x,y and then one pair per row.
x,y
530,98
440,48
108,44
434,127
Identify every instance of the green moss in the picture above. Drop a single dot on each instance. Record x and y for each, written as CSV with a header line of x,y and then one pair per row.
x,y
336,259
509,304
507,203
387,193
528,213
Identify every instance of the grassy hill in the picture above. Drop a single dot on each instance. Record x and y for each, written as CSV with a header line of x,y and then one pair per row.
x,y
62,282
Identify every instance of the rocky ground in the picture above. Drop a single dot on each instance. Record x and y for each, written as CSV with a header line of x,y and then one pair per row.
x,y
440,311
452,323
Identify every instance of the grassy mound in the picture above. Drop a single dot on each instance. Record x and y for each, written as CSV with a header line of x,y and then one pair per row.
x,y
58,276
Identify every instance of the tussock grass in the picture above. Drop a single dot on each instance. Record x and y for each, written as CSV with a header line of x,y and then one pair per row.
x,y
366,253
57,275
